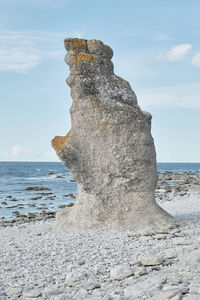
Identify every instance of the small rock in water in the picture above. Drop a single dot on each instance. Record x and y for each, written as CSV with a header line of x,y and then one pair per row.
x,y
37,188
13,199
62,206
31,215
36,198
69,195
69,204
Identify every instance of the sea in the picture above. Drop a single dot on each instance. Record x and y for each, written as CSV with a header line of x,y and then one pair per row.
x,y
55,186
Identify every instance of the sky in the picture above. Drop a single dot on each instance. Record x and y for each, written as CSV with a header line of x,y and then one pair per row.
x,y
156,48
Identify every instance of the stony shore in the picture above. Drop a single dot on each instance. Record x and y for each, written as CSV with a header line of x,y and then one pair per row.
x,y
170,185
38,263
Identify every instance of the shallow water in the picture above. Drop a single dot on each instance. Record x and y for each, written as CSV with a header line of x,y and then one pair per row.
x,y
15,177
179,167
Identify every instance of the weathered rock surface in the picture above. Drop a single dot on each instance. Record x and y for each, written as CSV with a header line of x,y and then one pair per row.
x,y
121,272
139,288
152,260
174,294
32,293
109,149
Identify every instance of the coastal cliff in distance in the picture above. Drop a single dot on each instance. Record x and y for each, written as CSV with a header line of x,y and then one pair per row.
x,y
109,150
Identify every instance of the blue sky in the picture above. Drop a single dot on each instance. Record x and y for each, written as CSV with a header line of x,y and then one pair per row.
x,y
156,48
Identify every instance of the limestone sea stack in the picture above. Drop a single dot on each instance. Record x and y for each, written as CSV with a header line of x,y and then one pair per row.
x,y
109,150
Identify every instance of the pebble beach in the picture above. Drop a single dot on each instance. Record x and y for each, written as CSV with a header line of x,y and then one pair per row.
x,y
39,263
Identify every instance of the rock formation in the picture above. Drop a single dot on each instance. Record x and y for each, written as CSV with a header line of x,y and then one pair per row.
x,y
109,149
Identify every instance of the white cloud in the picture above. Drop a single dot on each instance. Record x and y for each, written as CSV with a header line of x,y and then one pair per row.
x,y
21,153
196,60
178,52
17,150
22,51
187,96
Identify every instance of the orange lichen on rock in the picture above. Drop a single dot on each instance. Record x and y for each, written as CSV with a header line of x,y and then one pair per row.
x,y
59,141
82,57
75,44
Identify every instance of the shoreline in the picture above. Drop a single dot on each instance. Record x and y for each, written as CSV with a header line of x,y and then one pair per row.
x,y
170,184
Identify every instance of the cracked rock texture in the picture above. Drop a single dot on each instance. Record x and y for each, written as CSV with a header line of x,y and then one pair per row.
x,y
109,149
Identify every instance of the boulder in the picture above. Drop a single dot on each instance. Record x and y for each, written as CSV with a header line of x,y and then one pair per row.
x,y
151,260
121,272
